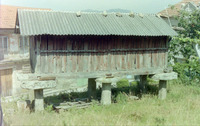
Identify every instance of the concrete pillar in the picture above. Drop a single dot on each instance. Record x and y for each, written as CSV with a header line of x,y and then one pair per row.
x,y
162,94
143,83
92,88
106,94
21,105
39,100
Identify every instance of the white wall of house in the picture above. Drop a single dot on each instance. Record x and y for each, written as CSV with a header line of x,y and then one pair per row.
x,y
171,21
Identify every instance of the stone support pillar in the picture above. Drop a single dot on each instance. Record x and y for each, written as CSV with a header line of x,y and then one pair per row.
x,y
143,83
92,88
106,94
39,100
162,94
163,77
38,87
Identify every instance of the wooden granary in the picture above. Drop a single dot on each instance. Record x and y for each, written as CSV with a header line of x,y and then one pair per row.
x,y
92,45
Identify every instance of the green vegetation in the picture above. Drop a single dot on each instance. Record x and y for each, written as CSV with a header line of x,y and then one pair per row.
x,y
180,108
189,70
123,83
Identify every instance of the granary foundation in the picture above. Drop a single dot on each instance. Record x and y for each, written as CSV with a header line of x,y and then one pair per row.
x,y
38,86
143,83
92,88
106,94
39,100
162,94
106,88
163,78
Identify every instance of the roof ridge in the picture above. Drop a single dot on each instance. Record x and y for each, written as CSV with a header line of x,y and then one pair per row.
x,y
40,10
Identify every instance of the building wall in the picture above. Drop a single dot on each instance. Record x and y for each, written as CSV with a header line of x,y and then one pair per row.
x,y
171,21
9,81
14,45
51,54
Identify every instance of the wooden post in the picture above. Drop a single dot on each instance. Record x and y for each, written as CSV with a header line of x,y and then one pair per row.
x,y
162,94
38,41
92,88
106,94
143,83
39,100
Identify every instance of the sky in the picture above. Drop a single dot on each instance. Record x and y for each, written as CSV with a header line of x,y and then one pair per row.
x,y
138,6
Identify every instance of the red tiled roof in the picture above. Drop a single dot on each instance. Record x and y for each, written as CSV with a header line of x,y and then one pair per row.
x,y
8,15
174,12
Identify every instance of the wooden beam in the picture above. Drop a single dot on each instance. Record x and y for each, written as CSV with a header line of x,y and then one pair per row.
x,y
102,51
38,63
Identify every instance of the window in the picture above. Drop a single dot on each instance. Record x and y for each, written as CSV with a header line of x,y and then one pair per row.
x,y
4,44
24,44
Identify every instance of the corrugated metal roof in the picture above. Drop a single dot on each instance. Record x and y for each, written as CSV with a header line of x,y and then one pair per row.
x,y
40,22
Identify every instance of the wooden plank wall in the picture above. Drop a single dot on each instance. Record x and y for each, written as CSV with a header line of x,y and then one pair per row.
x,y
92,54
32,45
6,82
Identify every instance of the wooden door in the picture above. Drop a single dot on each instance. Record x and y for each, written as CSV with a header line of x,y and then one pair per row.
x,y
6,82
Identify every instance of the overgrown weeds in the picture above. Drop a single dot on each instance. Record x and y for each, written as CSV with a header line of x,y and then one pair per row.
x,y
180,108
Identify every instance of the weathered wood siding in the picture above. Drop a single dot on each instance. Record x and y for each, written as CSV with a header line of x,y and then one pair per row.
x,y
64,54
6,82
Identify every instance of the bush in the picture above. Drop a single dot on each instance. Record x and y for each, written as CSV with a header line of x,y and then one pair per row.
x,y
189,73
121,98
49,108
123,83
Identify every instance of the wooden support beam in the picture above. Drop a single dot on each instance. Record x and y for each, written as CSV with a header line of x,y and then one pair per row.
x,y
38,63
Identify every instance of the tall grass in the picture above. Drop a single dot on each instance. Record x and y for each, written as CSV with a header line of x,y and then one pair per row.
x,y
182,107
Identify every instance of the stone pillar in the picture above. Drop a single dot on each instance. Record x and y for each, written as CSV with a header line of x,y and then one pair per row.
x,y
92,88
143,83
162,94
39,100
21,105
106,94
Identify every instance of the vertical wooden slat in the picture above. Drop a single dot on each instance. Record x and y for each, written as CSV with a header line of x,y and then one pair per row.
x,y
166,52
69,55
86,57
6,82
64,58
50,55
46,55
151,52
38,62
54,56
58,55
147,57
97,64
42,55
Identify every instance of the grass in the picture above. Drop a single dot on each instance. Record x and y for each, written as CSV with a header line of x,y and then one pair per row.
x,y
182,107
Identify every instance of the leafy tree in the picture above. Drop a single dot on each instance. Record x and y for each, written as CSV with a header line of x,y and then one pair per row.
x,y
183,44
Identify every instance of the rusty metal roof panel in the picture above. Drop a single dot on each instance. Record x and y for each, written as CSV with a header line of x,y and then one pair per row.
x,y
41,22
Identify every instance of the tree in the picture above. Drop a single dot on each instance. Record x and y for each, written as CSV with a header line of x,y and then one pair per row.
x,y
183,44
